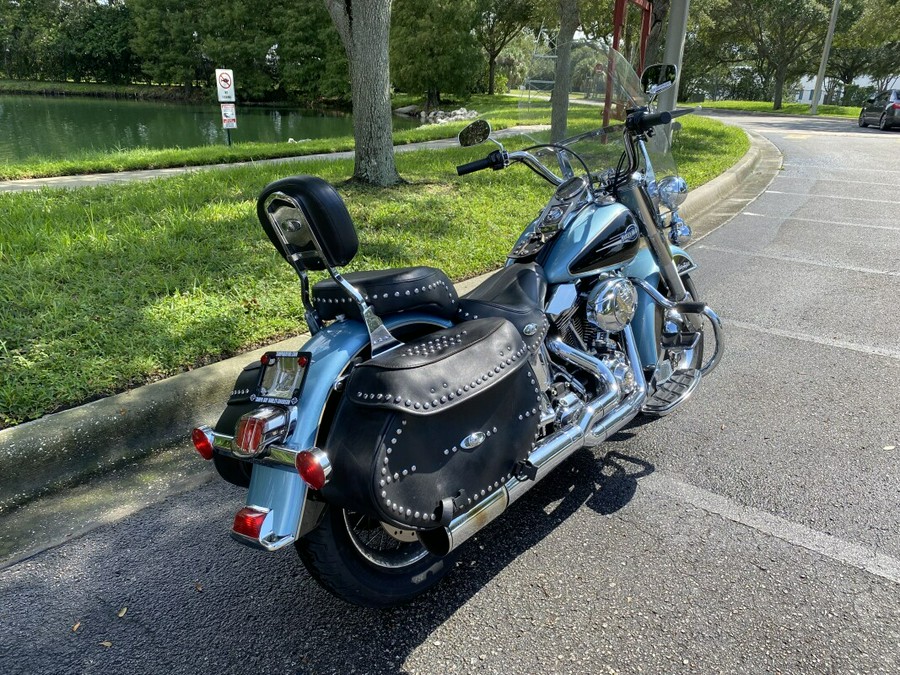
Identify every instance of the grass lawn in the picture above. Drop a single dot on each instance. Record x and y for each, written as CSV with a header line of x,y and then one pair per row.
x,y
786,109
107,288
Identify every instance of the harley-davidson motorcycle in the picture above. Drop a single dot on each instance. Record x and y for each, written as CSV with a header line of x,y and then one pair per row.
x,y
413,417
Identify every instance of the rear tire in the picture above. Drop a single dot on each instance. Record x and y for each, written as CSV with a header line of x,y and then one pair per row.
x,y
862,121
882,123
356,560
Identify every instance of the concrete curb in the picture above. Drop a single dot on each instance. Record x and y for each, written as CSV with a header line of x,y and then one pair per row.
x,y
65,448
706,197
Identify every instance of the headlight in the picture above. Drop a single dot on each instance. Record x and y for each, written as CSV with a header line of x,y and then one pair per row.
x,y
673,191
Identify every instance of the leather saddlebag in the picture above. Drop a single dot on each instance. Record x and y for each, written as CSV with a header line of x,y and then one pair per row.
x,y
426,431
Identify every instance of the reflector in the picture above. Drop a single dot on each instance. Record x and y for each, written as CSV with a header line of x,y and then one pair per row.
x,y
313,468
202,443
249,521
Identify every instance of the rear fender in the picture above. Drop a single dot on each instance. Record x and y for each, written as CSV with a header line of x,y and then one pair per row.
x,y
643,266
279,489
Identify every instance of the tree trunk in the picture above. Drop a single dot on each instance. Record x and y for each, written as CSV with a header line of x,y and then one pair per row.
x,y
364,26
492,70
559,101
780,76
432,99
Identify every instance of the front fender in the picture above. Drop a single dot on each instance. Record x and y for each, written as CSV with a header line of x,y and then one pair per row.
x,y
279,489
643,266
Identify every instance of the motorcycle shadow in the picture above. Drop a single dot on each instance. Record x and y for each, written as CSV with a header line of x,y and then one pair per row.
x,y
604,487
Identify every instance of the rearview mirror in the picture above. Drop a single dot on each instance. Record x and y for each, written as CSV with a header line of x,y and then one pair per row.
x,y
475,133
658,77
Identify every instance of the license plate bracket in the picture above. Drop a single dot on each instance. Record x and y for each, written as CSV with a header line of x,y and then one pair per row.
x,y
281,378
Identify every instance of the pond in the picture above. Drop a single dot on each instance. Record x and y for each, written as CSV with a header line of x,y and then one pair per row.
x,y
55,127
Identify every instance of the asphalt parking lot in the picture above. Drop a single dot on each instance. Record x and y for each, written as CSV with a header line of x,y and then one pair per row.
x,y
755,530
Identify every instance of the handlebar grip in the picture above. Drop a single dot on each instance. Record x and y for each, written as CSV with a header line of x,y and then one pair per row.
x,y
649,121
472,167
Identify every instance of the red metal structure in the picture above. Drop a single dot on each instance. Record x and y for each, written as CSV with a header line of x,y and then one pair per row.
x,y
618,23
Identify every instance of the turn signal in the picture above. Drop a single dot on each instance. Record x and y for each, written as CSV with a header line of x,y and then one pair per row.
x,y
314,467
249,521
202,440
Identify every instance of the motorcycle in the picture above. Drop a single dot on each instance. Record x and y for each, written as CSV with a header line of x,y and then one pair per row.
x,y
413,417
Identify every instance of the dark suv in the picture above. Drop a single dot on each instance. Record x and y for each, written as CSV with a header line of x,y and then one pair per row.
x,y
882,109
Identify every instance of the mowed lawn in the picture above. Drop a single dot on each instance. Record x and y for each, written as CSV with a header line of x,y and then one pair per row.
x,y
103,289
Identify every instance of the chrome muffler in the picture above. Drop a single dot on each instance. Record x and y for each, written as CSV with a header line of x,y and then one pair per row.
x,y
601,418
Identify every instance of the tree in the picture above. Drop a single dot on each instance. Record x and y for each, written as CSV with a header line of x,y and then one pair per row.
x,y
309,60
559,99
783,35
168,41
433,48
498,22
364,27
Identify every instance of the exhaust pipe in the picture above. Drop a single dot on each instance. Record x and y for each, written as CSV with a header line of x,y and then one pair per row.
x,y
600,419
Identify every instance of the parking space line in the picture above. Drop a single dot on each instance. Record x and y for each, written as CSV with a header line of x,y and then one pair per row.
x,y
834,180
852,199
820,221
800,261
804,337
854,555
839,168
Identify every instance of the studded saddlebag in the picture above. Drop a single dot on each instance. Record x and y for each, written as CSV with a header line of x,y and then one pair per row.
x,y
426,431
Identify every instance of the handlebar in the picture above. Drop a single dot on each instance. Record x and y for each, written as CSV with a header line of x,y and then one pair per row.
x,y
493,161
642,121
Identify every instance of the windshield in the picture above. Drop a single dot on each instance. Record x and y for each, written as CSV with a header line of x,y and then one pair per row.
x,y
586,107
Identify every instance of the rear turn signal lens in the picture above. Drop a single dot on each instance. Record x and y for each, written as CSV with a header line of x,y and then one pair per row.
x,y
202,440
249,521
314,468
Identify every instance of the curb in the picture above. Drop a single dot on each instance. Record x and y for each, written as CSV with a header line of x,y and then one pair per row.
x,y
65,448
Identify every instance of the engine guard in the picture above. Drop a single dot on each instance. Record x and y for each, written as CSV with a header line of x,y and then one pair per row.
x,y
275,486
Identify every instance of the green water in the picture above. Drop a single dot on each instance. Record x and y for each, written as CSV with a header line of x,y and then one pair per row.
x,y
55,127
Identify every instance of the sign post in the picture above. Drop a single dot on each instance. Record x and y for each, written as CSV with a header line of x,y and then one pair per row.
x,y
225,87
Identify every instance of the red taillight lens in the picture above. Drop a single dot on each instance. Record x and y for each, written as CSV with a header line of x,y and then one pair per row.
x,y
203,442
249,521
896,106
313,467
250,434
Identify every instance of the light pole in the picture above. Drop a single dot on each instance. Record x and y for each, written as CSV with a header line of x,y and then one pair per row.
x,y
817,92
675,35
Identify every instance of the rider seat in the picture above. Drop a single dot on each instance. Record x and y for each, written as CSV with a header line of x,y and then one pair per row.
x,y
408,289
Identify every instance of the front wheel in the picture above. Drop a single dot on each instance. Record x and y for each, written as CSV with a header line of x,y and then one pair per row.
x,y
363,562
862,120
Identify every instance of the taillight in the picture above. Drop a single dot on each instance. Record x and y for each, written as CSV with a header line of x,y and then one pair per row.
x,y
202,439
314,467
258,429
895,106
249,521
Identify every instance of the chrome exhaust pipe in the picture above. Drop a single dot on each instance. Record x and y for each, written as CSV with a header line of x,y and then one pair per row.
x,y
600,419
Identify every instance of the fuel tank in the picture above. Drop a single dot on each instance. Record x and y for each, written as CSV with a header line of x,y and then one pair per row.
x,y
601,238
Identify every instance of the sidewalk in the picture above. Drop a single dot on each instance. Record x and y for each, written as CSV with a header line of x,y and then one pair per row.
x,y
63,449
92,180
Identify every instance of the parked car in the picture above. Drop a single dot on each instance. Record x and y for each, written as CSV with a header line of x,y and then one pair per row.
x,y
882,109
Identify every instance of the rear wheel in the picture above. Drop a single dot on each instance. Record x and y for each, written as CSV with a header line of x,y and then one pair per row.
x,y
364,562
883,123
862,120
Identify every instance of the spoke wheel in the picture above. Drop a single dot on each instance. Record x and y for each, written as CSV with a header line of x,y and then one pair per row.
x,y
373,542
356,558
